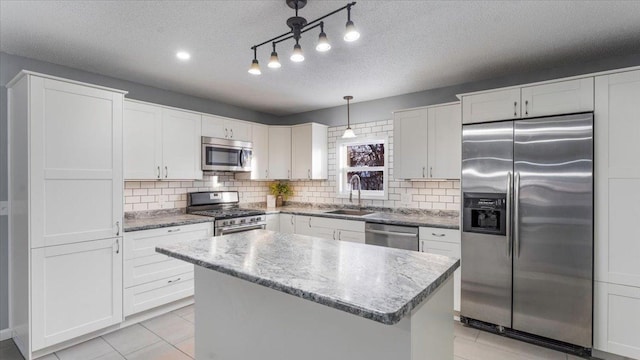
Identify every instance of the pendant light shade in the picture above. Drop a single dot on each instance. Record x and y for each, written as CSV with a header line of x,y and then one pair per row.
x,y
297,55
348,133
323,43
274,62
255,68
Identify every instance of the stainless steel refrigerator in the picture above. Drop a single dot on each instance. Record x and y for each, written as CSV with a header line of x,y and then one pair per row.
x,y
527,227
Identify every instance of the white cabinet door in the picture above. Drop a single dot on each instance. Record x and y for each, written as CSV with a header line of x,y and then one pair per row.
x,y
558,98
214,126
280,152
309,152
75,289
495,105
450,250
287,223
444,142
239,130
617,178
260,158
410,131
76,162
617,319
181,145
142,141
273,222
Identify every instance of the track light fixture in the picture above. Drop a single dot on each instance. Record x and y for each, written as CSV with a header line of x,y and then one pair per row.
x,y
298,26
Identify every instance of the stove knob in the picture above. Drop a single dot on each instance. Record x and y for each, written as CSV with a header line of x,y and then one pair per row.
x,y
231,222
253,220
243,221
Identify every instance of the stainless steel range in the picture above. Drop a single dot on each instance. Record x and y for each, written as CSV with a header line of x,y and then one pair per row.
x,y
223,206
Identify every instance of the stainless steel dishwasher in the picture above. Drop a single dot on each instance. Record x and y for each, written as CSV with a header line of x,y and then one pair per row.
x,y
393,236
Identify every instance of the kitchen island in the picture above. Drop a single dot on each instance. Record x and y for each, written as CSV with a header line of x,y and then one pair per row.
x,y
350,301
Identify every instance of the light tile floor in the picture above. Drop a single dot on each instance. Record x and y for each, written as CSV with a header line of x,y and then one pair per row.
x,y
171,337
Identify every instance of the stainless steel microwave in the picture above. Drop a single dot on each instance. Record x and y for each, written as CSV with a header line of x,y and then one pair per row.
x,y
226,155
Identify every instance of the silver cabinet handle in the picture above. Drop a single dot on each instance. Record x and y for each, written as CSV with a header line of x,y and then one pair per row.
x,y
166,172
309,173
509,215
231,131
339,234
173,230
226,133
334,234
117,228
158,172
117,246
266,174
310,221
292,219
391,233
438,235
515,108
516,214
172,281
526,107
430,171
288,174
423,169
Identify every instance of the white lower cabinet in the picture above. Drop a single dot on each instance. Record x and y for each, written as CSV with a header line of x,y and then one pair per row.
x,y
273,222
617,319
443,242
152,279
76,289
328,228
287,223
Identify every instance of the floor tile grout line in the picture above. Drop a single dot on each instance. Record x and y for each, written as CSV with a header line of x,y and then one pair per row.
x,y
113,347
165,340
189,356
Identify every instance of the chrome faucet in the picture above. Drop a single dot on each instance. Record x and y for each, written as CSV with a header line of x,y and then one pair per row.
x,y
359,190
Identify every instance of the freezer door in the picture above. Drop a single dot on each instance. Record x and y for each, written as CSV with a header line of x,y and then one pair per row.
x,y
487,163
553,239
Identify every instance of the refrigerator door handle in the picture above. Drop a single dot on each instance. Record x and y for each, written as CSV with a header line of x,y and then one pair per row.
x,y
516,214
509,216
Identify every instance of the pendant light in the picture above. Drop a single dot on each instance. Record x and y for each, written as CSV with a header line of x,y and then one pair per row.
x,y
323,42
351,33
297,55
348,133
255,67
274,62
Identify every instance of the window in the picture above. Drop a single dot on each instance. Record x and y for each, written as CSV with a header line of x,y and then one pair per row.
x,y
366,158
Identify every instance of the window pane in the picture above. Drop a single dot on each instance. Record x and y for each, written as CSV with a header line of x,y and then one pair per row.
x,y
365,155
370,180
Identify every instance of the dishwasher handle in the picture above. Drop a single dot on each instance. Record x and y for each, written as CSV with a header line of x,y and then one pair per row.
x,y
392,233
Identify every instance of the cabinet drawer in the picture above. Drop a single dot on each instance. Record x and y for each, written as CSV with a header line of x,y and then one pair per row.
x,y
350,225
436,234
143,243
147,296
152,268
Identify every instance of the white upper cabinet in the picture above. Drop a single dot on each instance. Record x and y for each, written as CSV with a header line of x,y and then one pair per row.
x,y
260,157
410,130
553,98
444,142
142,141
427,143
309,151
161,143
558,98
181,145
490,106
279,152
225,128
75,162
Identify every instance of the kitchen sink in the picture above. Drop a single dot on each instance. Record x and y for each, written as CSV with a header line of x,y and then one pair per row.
x,y
350,212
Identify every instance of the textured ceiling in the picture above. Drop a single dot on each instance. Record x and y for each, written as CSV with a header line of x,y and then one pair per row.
x,y
406,46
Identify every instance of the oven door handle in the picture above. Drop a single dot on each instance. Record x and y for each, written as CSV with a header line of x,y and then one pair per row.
x,y
240,229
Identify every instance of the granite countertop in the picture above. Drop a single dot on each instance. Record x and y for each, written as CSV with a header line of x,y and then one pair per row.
x,y
155,220
374,282
437,219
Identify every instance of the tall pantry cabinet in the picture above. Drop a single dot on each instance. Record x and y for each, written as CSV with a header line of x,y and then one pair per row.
x,y
65,209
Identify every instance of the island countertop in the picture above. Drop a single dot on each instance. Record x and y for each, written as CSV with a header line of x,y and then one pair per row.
x,y
377,283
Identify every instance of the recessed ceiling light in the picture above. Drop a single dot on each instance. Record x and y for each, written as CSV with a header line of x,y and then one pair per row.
x,y
183,55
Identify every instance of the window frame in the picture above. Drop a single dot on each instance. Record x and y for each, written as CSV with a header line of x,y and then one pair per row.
x,y
342,169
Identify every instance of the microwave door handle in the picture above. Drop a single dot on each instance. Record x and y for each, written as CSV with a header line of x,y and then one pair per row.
x,y
509,215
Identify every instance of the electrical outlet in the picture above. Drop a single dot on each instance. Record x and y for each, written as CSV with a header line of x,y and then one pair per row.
x,y
4,208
